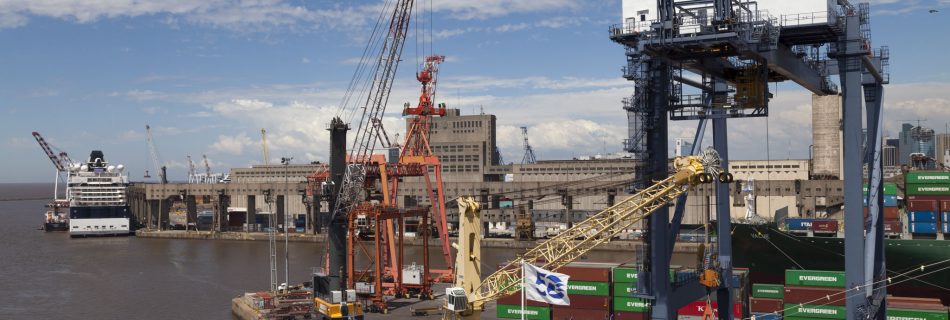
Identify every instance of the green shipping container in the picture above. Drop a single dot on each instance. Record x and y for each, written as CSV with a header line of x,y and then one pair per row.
x,y
514,312
631,304
927,177
629,275
814,311
814,278
625,289
890,189
588,288
905,314
927,189
771,291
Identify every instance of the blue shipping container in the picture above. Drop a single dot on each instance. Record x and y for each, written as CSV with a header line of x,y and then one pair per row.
x,y
923,227
890,201
946,227
922,216
798,223
767,316
945,216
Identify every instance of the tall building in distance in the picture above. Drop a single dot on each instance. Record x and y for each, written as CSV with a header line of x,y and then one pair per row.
x,y
917,139
683,147
907,145
826,136
465,144
942,148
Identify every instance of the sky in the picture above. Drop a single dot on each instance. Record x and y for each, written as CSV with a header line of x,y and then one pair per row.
x,y
208,75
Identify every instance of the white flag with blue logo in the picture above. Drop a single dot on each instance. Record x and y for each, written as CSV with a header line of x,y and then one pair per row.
x,y
545,286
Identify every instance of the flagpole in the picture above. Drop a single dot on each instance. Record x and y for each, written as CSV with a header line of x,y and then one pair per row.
x,y
524,278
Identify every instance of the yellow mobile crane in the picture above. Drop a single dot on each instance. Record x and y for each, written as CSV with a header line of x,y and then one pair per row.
x,y
466,300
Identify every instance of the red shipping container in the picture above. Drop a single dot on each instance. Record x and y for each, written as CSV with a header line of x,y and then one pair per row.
x,y
815,295
824,225
590,302
594,274
923,205
929,197
890,213
697,308
893,227
915,303
945,205
515,300
629,315
569,313
764,305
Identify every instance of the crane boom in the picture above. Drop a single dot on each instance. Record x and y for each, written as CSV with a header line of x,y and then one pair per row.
x,y
600,228
207,166
264,146
154,153
57,162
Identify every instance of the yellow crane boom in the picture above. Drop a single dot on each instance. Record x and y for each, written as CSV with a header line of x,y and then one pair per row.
x,y
598,229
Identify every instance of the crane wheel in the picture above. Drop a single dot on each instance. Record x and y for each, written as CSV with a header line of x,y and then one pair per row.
x,y
706,178
725,177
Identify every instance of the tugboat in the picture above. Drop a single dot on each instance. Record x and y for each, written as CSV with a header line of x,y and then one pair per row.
x,y
57,216
97,193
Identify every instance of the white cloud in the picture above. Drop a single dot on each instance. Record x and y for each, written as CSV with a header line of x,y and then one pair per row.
x,y
233,145
483,9
304,60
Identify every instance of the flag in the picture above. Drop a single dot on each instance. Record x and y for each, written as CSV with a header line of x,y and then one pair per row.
x,y
545,286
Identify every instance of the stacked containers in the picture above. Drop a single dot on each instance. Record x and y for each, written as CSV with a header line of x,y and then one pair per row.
x,y
823,289
740,286
767,300
625,306
798,224
509,307
589,292
892,223
928,195
915,308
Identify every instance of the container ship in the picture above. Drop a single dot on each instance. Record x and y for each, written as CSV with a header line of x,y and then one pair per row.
x,y
914,229
97,193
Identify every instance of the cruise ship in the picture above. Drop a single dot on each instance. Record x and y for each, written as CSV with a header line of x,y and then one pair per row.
x,y
97,193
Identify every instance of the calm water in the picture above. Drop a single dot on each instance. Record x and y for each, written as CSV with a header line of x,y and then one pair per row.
x,y
51,276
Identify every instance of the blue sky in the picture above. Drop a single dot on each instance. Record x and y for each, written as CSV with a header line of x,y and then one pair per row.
x,y
208,75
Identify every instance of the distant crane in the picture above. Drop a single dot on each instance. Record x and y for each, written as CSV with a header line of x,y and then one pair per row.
x,y
61,162
529,157
192,172
156,163
210,178
264,146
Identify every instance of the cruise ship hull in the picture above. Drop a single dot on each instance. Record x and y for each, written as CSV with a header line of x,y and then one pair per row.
x,y
768,252
99,221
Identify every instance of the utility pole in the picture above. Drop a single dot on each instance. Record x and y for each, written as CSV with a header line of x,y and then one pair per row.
x,y
286,162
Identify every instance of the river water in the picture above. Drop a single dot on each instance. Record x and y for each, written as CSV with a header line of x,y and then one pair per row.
x,y
51,276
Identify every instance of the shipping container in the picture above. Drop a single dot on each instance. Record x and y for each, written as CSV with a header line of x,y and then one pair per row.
x,y
824,226
890,201
890,213
624,289
815,295
922,216
926,197
890,189
515,299
589,302
814,311
697,308
514,312
765,290
630,315
767,316
628,274
586,273
894,313
945,227
923,205
927,190
588,288
765,305
801,224
570,313
926,177
945,216
814,278
631,304
893,227
945,205
912,303
923,227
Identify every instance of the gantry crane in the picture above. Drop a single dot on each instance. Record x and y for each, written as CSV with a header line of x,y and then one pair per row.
x,y
528,157
467,298
349,175
156,163
192,171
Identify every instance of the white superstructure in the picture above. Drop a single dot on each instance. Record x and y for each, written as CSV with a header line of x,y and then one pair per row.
x,y
98,198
